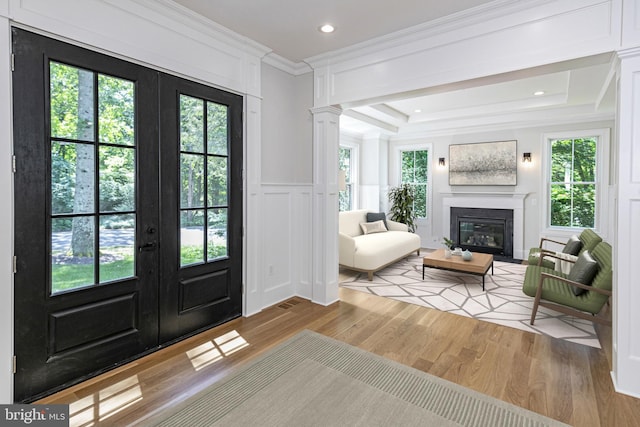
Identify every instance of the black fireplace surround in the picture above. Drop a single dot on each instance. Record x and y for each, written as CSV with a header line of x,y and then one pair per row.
x,y
483,230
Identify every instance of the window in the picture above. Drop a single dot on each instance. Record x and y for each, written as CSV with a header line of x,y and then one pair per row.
x,y
415,172
576,168
345,162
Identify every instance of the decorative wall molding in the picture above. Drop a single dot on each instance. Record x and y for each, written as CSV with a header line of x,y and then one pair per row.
x,y
285,266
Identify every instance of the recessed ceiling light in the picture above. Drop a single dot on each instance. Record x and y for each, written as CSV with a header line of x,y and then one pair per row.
x,y
327,28
417,110
538,93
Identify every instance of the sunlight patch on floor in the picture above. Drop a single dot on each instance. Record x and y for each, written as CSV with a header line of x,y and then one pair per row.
x,y
211,351
105,403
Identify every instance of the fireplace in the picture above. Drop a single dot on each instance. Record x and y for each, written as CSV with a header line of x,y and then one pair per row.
x,y
488,200
483,230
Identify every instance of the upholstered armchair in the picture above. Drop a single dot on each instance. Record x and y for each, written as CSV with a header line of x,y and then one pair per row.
x,y
586,241
581,293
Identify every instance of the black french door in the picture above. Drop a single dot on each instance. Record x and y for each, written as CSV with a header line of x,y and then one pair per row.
x,y
128,211
201,196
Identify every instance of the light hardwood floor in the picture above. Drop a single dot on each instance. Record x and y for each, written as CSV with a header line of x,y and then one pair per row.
x,y
562,380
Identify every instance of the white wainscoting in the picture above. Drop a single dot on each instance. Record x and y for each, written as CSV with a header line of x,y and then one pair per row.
x,y
285,255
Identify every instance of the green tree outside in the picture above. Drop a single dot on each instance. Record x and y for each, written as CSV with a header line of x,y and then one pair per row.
x,y
415,167
573,182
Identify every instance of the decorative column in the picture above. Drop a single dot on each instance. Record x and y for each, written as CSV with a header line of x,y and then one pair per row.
x,y
626,293
326,137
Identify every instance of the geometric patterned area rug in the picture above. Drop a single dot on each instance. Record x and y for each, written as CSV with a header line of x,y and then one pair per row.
x,y
502,301
313,380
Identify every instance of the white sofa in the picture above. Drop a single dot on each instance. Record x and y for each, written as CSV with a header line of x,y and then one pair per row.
x,y
372,252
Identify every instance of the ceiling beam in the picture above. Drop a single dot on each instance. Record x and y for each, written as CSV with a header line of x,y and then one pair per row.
x,y
370,120
391,112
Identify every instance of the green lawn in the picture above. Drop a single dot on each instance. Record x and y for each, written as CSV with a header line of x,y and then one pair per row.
x,y
72,276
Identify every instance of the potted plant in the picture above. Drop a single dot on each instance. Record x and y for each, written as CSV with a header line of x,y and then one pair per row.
x,y
448,243
402,199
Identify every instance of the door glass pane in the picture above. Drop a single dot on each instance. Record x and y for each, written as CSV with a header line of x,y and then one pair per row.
x,y
72,262
117,179
191,124
203,181
217,222
217,129
217,182
117,247
116,110
72,102
191,237
78,248
192,181
71,178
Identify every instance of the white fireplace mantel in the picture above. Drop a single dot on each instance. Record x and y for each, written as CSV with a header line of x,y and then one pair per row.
x,y
489,200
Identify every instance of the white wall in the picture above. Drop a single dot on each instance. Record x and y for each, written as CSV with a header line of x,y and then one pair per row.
x,y
286,127
285,216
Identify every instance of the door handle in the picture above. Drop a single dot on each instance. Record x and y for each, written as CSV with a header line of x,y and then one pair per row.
x,y
147,247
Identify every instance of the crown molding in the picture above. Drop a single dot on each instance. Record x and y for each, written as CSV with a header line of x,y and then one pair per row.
x,y
326,109
191,19
628,53
283,64
428,29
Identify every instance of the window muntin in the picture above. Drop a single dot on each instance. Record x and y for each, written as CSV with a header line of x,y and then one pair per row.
x,y
204,181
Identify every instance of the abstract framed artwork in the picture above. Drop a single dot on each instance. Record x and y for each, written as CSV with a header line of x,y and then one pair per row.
x,y
484,163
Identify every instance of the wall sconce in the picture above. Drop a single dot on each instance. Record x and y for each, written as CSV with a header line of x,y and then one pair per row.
x,y
526,157
441,162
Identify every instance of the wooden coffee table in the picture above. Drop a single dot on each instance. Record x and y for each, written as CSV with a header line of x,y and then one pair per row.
x,y
478,265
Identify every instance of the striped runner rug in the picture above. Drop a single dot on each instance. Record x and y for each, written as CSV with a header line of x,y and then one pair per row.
x,y
313,380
